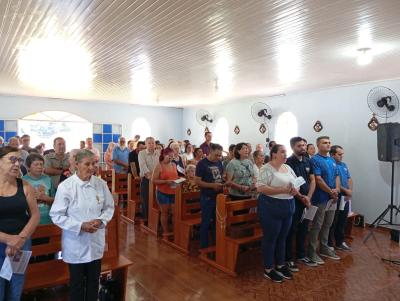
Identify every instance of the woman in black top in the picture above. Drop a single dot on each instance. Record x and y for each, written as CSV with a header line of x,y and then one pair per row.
x,y
19,216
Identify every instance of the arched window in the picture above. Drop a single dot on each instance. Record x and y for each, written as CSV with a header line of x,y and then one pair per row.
x,y
221,133
141,127
286,128
43,127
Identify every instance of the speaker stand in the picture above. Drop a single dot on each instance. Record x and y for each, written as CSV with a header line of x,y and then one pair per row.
x,y
380,220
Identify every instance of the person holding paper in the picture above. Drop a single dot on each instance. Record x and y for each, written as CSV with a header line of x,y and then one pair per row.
x,y
177,159
164,175
298,231
276,208
346,191
240,174
148,159
19,216
209,172
327,188
82,207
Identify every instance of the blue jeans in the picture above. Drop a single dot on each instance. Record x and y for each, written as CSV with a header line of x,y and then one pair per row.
x,y
207,205
276,219
12,290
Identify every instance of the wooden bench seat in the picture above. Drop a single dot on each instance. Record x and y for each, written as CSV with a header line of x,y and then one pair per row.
x,y
187,214
236,224
153,219
54,272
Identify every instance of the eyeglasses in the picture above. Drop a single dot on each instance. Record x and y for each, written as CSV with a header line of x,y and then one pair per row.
x,y
14,159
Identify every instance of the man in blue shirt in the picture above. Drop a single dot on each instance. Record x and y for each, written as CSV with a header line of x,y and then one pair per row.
x,y
120,157
327,188
346,191
209,173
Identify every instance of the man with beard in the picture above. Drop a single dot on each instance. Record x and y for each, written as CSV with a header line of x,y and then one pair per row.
x,y
120,157
298,231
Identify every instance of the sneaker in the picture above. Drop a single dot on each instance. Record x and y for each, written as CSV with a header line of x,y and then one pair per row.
x,y
292,266
273,276
343,246
330,255
318,260
284,272
308,262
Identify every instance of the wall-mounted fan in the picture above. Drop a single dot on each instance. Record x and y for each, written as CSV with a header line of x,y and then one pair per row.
x,y
383,102
261,113
204,118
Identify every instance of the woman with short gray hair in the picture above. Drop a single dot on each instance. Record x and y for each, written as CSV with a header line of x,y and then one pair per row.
x,y
82,207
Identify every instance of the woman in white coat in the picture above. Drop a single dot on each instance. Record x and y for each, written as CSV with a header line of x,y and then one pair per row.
x,y
82,207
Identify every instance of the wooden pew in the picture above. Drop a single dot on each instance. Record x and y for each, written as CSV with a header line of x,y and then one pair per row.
x,y
106,175
233,218
54,272
154,212
134,203
119,190
187,214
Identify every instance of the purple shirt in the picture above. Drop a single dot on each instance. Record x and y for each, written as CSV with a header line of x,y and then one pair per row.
x,y
205,148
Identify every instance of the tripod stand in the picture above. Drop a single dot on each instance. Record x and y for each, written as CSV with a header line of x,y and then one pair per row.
x,y
380,220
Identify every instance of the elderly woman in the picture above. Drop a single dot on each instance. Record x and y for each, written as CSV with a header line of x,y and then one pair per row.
x,y
19,217
240,174
259,158
177,159
108,156
276,208
190,185
82,207
44,189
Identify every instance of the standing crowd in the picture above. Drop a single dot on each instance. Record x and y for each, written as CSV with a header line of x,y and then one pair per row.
x,y
60,187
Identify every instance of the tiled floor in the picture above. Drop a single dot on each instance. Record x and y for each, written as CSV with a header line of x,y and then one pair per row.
x,y
161,273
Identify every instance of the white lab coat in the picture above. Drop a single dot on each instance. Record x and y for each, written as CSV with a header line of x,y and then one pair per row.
x,y
76,202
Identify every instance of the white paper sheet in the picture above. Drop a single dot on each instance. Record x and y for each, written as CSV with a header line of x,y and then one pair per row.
x,y
342,203
331,205
309,213
6,269
180,180
298,182
180,169
19,261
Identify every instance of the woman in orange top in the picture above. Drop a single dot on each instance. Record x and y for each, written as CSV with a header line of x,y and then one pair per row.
x,y
164,175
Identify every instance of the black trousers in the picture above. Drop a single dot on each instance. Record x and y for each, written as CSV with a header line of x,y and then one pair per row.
x,y
336,233
84,281
298,233
144,195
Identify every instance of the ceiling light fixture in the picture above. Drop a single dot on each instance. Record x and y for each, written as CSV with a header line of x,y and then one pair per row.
x,y
364,56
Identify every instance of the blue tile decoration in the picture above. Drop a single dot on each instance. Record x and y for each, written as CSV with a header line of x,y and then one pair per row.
x,y
107,128
2,134
97,138
9,135
107,138
1,125
116,137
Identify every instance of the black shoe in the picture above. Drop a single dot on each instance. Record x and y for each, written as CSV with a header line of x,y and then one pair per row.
x,y
284,272
273,276
292,266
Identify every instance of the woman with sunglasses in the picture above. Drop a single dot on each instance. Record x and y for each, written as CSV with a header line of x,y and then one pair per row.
x,y
19,216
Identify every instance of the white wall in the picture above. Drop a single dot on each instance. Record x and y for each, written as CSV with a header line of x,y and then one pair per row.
x,y
344,114
165,122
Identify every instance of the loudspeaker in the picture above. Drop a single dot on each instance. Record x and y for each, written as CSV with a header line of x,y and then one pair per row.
x,y
389,142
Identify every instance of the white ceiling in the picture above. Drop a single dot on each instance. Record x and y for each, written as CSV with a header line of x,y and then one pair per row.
x,y
185,52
